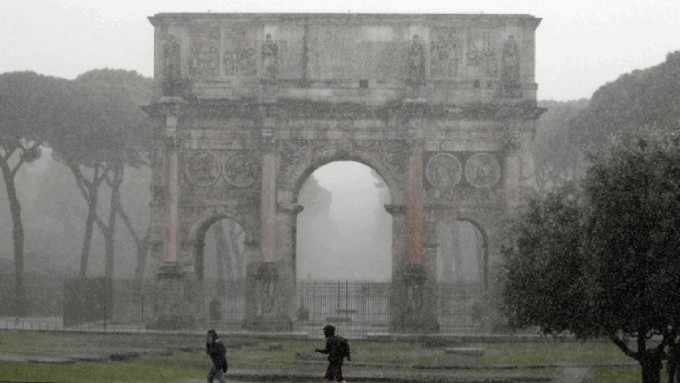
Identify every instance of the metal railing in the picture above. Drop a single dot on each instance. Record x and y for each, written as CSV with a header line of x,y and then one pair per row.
x,y
356,308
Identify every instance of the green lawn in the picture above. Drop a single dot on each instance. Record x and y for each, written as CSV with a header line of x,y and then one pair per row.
x,y
178,358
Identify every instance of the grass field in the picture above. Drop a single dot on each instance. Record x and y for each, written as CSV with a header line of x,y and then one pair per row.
x,y
180,358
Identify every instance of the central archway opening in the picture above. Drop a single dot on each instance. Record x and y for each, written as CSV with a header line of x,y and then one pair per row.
x,y
344,231
344,249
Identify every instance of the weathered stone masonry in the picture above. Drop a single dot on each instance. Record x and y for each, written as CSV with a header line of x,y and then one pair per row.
x,y
247,106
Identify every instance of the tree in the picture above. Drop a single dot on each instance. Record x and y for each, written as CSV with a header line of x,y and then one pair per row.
x,y
603,259
644,100
126,90
104,136
31,106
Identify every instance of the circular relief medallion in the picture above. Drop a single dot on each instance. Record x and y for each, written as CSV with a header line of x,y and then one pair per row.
x,y
240,170
482,170
443,170
202,169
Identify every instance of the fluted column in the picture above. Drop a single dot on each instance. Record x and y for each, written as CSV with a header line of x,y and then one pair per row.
x,y
268,198
176,292
286,223
171,217
512,171
415,203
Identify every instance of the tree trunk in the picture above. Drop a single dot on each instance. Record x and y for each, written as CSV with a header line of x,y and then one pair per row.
x,y
651,363
110,230
17,238
142,244
91,196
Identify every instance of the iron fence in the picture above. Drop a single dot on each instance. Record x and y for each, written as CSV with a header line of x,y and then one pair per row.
x,y
356,308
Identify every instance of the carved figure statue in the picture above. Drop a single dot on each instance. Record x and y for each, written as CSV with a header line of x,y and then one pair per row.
x,y
204,60
270,51
416,62
510,81
171,66
171,56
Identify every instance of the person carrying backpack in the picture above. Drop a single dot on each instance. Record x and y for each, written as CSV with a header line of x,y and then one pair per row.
x,y
218,355
337,349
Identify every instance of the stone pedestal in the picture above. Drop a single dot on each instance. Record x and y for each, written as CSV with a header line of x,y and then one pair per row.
x,y
269,292
414,307
177,299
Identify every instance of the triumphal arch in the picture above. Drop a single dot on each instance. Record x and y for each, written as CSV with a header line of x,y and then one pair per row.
x,y
247,106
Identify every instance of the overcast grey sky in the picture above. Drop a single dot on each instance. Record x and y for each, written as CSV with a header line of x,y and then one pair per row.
x,y
581,44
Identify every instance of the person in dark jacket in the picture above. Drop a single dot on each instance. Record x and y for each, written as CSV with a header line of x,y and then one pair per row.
x,y
218,355
336,354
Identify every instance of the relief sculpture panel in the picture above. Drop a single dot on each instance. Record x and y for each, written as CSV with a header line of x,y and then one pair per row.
x,y
482,170
241,170
240,56
481,57
204,58
202,169
443,170
445,53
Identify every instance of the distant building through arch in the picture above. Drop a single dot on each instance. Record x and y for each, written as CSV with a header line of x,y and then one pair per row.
x,y
247,106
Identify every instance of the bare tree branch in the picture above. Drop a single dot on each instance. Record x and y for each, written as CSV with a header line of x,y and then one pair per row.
x,y
621,344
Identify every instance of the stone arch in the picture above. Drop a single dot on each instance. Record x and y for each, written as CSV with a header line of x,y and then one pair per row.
x,y
298,174
197,231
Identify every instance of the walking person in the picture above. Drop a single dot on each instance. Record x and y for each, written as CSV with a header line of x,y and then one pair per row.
x,y
337,349
218,355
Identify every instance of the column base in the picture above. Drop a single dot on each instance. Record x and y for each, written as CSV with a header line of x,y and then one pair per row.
x,y
414,302
268,297
177,300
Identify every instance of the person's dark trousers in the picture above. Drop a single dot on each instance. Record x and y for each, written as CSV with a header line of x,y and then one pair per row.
x,y
334,372
216,373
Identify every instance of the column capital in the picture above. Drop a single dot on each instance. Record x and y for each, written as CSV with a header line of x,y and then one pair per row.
x,y
289,208
416,142
268,140
171,106
395,209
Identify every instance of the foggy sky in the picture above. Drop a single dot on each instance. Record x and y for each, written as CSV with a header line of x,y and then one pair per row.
x,y
580,44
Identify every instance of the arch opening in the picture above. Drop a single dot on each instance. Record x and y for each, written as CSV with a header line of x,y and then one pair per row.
x,y
461,275
221,264
461,253
344,232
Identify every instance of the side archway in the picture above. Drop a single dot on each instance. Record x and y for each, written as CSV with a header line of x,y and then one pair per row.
x,y
462,269
198,230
